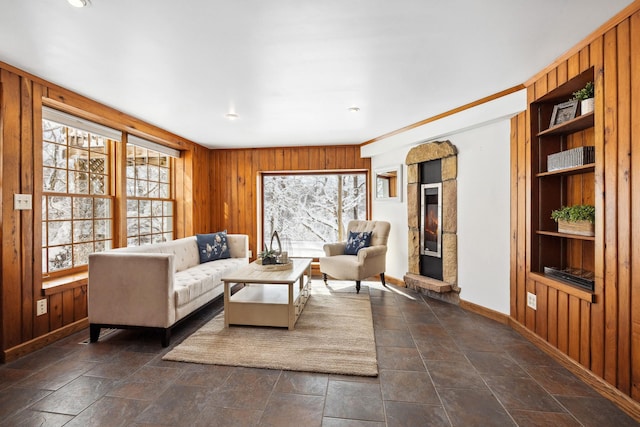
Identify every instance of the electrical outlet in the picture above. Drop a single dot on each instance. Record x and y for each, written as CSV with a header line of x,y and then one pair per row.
x,y
41,307
250,253
531,300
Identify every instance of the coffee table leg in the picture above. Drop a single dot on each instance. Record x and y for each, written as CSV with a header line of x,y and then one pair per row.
x,y
292,308
227,295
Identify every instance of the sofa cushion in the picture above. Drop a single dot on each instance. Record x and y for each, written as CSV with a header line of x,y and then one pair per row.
x,y
195,281
213,246
356,241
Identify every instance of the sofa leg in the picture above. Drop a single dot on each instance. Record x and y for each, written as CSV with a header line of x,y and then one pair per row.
x,y
166,337
324,277
382,280
94,332
357,286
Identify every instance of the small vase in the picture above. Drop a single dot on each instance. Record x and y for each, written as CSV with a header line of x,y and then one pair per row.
x,y
586,106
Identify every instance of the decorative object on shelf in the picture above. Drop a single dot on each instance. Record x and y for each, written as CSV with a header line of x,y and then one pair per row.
x,y
574,276
577,219
270,255
564,112
578,156
585,96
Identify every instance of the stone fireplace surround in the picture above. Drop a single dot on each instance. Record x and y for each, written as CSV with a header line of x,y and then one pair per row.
x,y
446,289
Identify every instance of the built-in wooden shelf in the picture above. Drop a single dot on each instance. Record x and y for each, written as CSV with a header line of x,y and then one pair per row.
x,y
565,235
576,291
589,167
579,123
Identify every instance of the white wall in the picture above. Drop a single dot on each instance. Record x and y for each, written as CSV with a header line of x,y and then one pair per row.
x,y
483,208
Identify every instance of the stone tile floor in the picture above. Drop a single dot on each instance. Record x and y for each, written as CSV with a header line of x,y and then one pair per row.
x,y
439,366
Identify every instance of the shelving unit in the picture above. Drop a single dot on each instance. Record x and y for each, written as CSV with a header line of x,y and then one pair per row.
x,y
553,189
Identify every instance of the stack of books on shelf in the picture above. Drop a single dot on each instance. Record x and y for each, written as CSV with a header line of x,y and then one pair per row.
x,y
578,156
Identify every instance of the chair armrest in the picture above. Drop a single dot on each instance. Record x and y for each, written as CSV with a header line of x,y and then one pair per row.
x,y
332,249
371,251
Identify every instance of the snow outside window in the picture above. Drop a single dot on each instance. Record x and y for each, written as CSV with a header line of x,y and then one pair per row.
x,y
77,200
149,202
308,210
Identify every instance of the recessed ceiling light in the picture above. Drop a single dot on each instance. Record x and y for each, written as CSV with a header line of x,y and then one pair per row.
x,y
354,109
78,3
231,116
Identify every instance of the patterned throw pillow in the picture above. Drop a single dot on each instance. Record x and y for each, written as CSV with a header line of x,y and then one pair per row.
x,y
357,240
213,246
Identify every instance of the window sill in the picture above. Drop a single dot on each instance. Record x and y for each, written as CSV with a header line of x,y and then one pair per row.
x,y
63,283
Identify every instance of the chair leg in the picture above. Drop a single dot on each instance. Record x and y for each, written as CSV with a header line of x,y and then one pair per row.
x,y
382,280
324,277
357,286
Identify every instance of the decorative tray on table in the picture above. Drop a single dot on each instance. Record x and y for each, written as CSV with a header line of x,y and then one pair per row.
x,y
272,267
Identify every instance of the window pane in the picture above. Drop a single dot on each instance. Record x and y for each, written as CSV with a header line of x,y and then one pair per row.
x,y
54,180
156,208
133,241
82,231
78,182
59,208
164,191
99,184
167,224
59,258
154,190
102,208
81,253
59,233
54,132
102,229
82,207
54,155
132,227
145,208
305,211
156,224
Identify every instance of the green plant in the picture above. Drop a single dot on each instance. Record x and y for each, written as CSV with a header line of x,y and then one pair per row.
x,y
268,256
585,93
575,213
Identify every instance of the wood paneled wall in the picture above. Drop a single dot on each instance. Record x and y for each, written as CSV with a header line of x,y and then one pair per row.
x,y
603,335
234,175
21,98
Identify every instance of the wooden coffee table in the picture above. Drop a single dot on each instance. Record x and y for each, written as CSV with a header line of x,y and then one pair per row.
x,y
269,298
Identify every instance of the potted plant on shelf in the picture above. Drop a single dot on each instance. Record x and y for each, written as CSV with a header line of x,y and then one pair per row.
x,y
577,219
585,96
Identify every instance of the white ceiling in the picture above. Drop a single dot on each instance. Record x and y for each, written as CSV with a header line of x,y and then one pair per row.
x,y
291,68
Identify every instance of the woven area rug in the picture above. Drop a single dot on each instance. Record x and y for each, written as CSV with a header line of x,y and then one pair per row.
x,y
334,334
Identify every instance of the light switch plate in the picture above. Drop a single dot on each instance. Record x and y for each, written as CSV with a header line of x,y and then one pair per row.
x,y
22,202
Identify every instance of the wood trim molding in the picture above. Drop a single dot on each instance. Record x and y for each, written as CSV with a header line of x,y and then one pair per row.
x,y
484,311
599,32
624,402
23,349
451,112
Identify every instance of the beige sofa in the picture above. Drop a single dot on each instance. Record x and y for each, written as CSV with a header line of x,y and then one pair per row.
x,y
155,286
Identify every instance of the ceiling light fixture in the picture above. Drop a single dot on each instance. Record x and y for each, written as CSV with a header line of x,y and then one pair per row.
x,y
231,116
354,109
78,3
